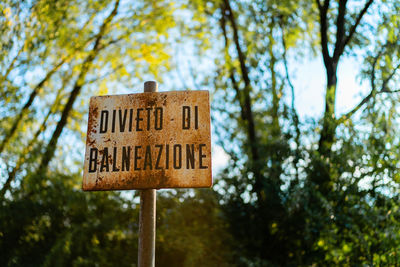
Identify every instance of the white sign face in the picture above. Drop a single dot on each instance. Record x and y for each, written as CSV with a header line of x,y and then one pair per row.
x,y
148,140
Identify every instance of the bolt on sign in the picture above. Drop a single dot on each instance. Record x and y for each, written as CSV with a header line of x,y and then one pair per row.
x,y
148,140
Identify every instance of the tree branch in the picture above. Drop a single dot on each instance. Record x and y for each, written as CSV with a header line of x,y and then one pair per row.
x,y
86,65
11,66
373,91
340,31
346,116
106,74
27,149
295,116
27,105
323,12
241,55
355,25
35,92
231,69
384,88
247,105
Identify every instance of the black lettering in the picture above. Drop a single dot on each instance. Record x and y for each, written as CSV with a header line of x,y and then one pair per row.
x,y
113,121
136,158
104,161
122,120
189,156
167,157
158,118
185,117
201,156
196,117
147,159
103,121
114,161
177,162
126,158
93,160
138,119
157,167
130,119
148,117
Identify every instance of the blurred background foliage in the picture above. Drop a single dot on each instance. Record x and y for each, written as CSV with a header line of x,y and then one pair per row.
x,y
295,191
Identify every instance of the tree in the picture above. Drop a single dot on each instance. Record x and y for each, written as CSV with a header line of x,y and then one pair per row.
x,y
58,55
58,224
288,184
75,47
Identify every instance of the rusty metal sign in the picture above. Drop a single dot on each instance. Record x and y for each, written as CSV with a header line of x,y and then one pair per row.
x,y
148,140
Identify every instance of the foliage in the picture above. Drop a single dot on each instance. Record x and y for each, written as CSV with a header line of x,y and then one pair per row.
x,y
296,192
191,230
52,222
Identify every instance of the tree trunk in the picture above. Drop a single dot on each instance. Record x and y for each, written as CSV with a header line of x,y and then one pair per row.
x,y
329,120
247,105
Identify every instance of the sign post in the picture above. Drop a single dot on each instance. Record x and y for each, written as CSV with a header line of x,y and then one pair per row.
x,y
147,214
148,141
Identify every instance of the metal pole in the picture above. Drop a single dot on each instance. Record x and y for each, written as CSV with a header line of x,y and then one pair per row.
x,y
147,215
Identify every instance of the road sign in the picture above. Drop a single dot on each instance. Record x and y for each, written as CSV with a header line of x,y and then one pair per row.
x,y
148,140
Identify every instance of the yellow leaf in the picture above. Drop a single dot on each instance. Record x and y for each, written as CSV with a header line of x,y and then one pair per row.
x,y
103,89
7,12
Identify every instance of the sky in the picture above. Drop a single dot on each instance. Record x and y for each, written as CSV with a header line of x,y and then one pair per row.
x,y
310,82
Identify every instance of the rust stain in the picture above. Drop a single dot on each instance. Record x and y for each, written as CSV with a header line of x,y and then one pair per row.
x,y
139,140
91,122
